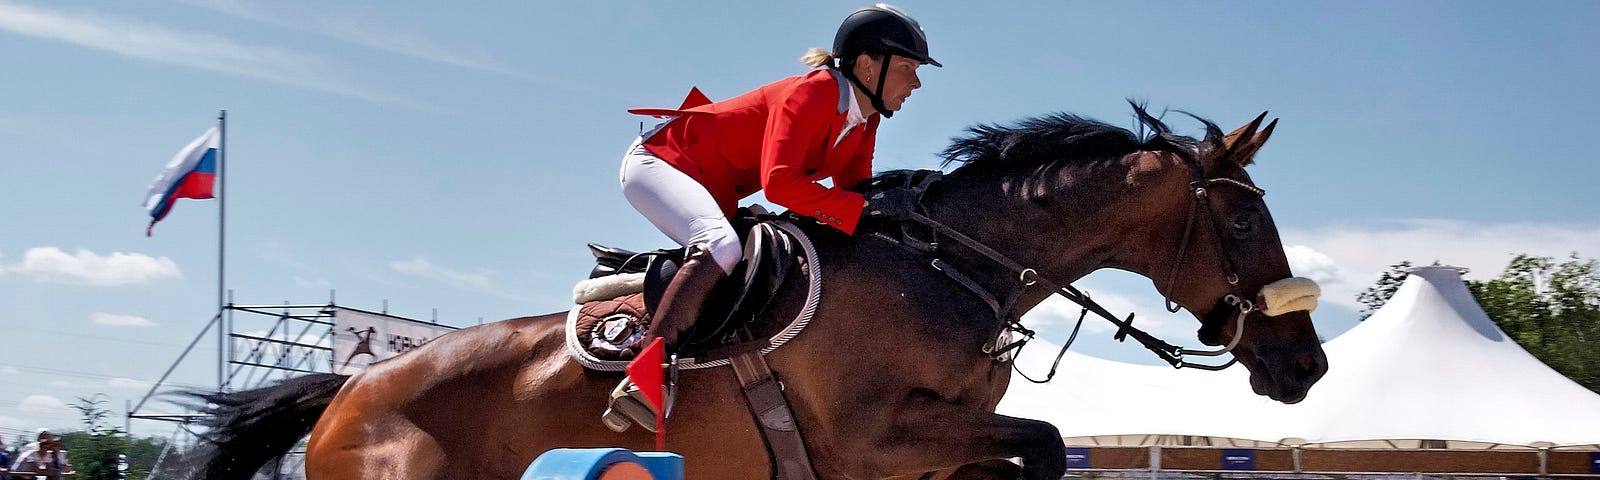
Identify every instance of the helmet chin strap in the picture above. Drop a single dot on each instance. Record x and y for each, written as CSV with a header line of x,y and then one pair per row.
x,y
875,95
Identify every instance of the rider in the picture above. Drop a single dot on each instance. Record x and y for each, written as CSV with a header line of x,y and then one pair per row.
x,y
688,174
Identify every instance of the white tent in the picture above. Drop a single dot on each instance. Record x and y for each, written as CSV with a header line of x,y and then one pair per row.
x,y
1428,365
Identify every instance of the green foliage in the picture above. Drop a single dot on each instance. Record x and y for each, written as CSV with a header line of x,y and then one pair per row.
x,y
1551,309
1379,293
142,454
95,452
94,455
93,411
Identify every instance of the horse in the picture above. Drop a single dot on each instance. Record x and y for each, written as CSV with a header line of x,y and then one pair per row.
x,y
892,378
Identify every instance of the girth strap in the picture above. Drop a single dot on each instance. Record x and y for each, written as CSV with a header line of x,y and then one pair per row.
x,y
763,393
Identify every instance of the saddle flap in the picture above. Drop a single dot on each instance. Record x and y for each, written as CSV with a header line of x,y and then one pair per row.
x,y
768,257
737,301
658,274
603,252
612,260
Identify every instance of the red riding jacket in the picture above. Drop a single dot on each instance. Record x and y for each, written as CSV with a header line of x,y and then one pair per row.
x,y
779,138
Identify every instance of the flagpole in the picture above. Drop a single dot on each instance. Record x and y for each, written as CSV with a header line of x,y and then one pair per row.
x,y
222,222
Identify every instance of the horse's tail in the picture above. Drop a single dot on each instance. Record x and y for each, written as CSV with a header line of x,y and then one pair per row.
x,y
246,429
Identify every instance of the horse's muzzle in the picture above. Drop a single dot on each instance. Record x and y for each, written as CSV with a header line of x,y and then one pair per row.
x,y
1285,376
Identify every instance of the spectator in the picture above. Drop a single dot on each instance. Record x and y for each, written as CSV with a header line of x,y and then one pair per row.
x,y
45,458
28,451
5,461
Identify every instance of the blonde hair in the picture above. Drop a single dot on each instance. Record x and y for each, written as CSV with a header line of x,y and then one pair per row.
x,y
816,57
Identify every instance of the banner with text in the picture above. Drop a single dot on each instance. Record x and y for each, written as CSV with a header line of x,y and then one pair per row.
x,y
363,338
1238,459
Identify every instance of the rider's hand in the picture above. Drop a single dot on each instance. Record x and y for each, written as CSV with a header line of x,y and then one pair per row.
x,y
890,204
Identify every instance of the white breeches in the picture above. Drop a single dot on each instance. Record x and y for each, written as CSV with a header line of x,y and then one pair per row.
x,y
678,205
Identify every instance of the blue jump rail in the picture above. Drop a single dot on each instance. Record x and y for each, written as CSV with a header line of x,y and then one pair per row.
x,y
604,464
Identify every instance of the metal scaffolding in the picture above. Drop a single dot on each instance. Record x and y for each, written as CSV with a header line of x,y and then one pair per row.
x,y
258,344
274,342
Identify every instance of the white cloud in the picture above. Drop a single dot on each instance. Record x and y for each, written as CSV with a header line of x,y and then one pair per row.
x,y
1347,259
42,404
129,383
195,50
482,282
420,266
237,9
1337,282
9,370
411,45
114,320
12,423
1307,262
358,31
51,264
61,384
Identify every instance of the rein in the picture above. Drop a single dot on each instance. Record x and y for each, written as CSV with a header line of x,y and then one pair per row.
x,y
1027,276
1172,354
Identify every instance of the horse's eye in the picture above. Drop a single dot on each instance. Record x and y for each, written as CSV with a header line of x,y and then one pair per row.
x,y
1241,226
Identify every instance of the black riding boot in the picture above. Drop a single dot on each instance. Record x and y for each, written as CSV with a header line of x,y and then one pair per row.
x,y
684,298
680,307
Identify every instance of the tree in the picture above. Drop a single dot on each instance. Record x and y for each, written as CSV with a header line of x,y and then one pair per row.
x,y
94,415
1379,293
98,450
1551,309
142,454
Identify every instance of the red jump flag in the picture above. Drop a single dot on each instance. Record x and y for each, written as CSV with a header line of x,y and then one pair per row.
x,y
646,371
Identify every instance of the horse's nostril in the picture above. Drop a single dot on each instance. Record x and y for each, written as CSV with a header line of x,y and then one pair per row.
x,y
1309,364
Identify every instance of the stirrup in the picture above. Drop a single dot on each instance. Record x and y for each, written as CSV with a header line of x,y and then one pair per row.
x,y
627,407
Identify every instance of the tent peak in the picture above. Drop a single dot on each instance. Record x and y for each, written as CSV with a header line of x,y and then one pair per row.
x,y
1436,267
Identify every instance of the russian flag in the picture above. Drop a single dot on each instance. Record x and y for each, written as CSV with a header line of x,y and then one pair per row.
x,y
192,173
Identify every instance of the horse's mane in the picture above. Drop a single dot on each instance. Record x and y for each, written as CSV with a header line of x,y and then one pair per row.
x,y
1062,139
1034,149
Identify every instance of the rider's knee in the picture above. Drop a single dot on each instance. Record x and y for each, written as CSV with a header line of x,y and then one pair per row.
x,y
720,239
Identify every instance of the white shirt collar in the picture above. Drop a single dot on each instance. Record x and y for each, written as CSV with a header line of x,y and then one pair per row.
x,y
852,118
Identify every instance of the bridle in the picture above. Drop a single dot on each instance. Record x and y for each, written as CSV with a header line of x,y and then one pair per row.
x,y
1202,202
1029,277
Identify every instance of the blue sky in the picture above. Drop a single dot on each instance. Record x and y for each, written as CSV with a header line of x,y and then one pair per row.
x,y
457,159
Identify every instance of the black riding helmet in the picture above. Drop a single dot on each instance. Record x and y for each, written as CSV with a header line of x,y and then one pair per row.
x,y
879,30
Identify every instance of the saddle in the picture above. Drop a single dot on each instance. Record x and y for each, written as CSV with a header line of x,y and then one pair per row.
x,y
624,287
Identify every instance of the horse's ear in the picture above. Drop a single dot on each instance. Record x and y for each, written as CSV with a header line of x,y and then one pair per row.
x,y
1241,145
1236,139
1247,155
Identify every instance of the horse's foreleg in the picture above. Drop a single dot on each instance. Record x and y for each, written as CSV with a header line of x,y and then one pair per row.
x,y
933,435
